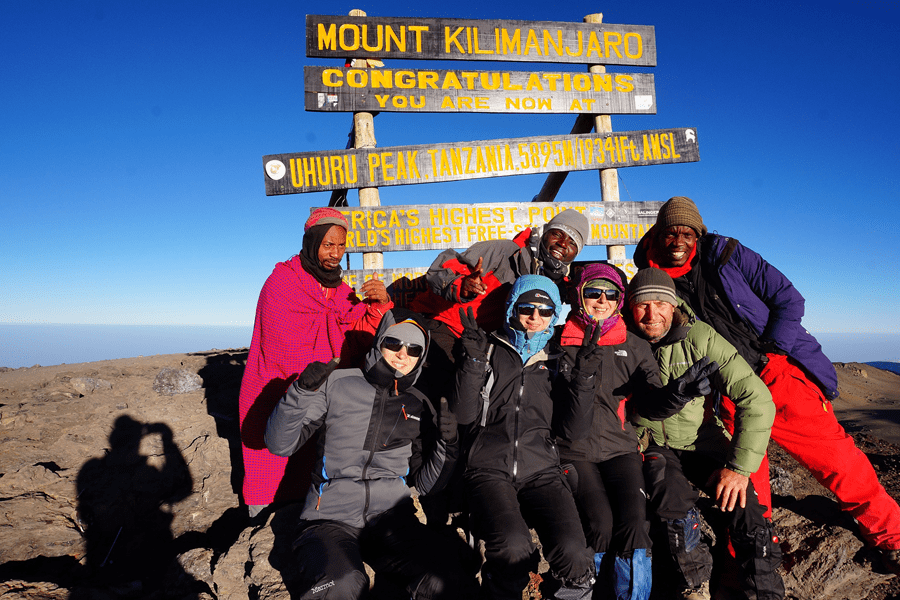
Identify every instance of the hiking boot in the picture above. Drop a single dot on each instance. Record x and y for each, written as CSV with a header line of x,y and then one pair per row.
x,y
701,593
891,560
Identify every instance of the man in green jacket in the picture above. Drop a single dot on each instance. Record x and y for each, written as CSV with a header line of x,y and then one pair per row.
x,y
692,447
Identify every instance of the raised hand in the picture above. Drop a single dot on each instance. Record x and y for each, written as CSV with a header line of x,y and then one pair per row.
x,y
315,374
695,381
374,292
587,359
447,422
473,339
472,284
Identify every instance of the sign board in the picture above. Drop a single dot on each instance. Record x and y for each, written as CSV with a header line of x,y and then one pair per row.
x,y
404,284
330,36
442,226
404,165
333,89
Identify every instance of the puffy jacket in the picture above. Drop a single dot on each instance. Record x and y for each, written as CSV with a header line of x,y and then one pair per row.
x,y
517,439
692,428
762,297
373,426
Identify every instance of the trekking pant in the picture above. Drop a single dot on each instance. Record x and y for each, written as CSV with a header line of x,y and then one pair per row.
x,y
613,507
408,558
502,512
669,474
805,426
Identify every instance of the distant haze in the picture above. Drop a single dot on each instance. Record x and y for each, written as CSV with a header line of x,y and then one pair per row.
x,y
53,344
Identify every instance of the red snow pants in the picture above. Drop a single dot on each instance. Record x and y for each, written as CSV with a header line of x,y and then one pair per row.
x,y
806,428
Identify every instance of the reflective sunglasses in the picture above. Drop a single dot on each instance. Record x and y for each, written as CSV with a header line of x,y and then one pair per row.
x,y
394,345
526,310
597,293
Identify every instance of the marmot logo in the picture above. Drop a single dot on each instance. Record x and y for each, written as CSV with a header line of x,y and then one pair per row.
x,y
323,587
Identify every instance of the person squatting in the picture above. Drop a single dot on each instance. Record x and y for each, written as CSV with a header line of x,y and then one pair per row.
x,y
599,433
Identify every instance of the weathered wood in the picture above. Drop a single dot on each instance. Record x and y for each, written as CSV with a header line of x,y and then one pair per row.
x,y
609,178
441,226
335,89
405,165
364,130
333,36
583,124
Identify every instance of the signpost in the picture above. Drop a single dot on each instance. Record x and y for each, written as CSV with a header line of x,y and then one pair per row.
x,y
364,42
332,89
430,163
442,226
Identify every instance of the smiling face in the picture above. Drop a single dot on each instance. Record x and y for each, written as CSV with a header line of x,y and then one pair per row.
x,y
530,317
400,360
673,245
559,245
332,248
599,309
653,319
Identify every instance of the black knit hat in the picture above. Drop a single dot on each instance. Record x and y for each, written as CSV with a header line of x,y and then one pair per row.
x,y
536,297
651,284
680,210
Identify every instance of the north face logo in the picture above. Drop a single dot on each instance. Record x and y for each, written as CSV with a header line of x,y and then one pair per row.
x,y
621,353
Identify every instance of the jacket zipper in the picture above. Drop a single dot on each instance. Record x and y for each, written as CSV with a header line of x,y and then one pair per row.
x,y
516,428
381,400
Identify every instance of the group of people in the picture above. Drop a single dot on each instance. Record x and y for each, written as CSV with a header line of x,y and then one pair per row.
x,y
598,432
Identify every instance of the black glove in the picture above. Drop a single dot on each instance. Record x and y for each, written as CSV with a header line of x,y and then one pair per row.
x,y
448,423
694,382
587,360
315,374
474,340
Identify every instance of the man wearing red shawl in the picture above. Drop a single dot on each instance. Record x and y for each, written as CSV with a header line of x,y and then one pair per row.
x,y
305,313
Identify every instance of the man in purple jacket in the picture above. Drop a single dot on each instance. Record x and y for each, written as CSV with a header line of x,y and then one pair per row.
x,y
756,308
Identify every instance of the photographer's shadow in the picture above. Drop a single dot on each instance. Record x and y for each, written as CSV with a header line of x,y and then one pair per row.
x,y
125,502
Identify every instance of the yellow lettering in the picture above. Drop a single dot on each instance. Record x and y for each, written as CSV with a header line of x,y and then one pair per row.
x,y
327,37
418,29
327,77
379,35
451,81
557,45
399,42
612,40
639,42
532,42
428,79
357,78
342,37
381,78
507,85
475,48
405,79
602,82
511,45
451,39
624,83
374,162
534,82
580,39
593,46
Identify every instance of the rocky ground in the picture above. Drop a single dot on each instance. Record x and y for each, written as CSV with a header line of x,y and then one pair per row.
x,y
119,479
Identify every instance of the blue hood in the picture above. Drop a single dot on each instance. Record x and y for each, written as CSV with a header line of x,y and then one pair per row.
x,y
516,337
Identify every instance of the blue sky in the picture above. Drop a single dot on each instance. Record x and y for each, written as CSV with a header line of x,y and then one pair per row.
x,y
131,180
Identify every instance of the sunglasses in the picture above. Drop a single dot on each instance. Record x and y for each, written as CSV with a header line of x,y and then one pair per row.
x,y
597,293
526,310
394,345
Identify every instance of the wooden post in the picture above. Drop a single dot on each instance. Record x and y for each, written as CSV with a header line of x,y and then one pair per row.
x,y
364,128
609,178
583,124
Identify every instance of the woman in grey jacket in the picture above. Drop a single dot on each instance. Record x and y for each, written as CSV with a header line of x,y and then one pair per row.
x,y
376,431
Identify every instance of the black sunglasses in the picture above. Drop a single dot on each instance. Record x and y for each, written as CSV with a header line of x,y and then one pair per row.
x,y
394,345
597,293
526,310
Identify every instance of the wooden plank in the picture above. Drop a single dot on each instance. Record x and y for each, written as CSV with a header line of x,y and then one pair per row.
x,y
442,226
332,36
406,165
333,89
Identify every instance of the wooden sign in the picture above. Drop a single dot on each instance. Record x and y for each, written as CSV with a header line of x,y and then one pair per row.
x,y
418,90
405,165
332,36
442,226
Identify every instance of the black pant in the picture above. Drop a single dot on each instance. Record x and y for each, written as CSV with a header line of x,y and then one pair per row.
x,y
501,514
669,474
611,501
406,556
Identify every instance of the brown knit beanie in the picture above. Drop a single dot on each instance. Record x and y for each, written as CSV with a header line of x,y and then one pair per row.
x,y
651,284
680,210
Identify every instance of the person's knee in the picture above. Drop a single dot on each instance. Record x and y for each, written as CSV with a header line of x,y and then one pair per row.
x,y
516,549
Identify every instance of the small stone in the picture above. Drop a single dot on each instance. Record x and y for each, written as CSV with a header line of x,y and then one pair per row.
x,y
87,385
